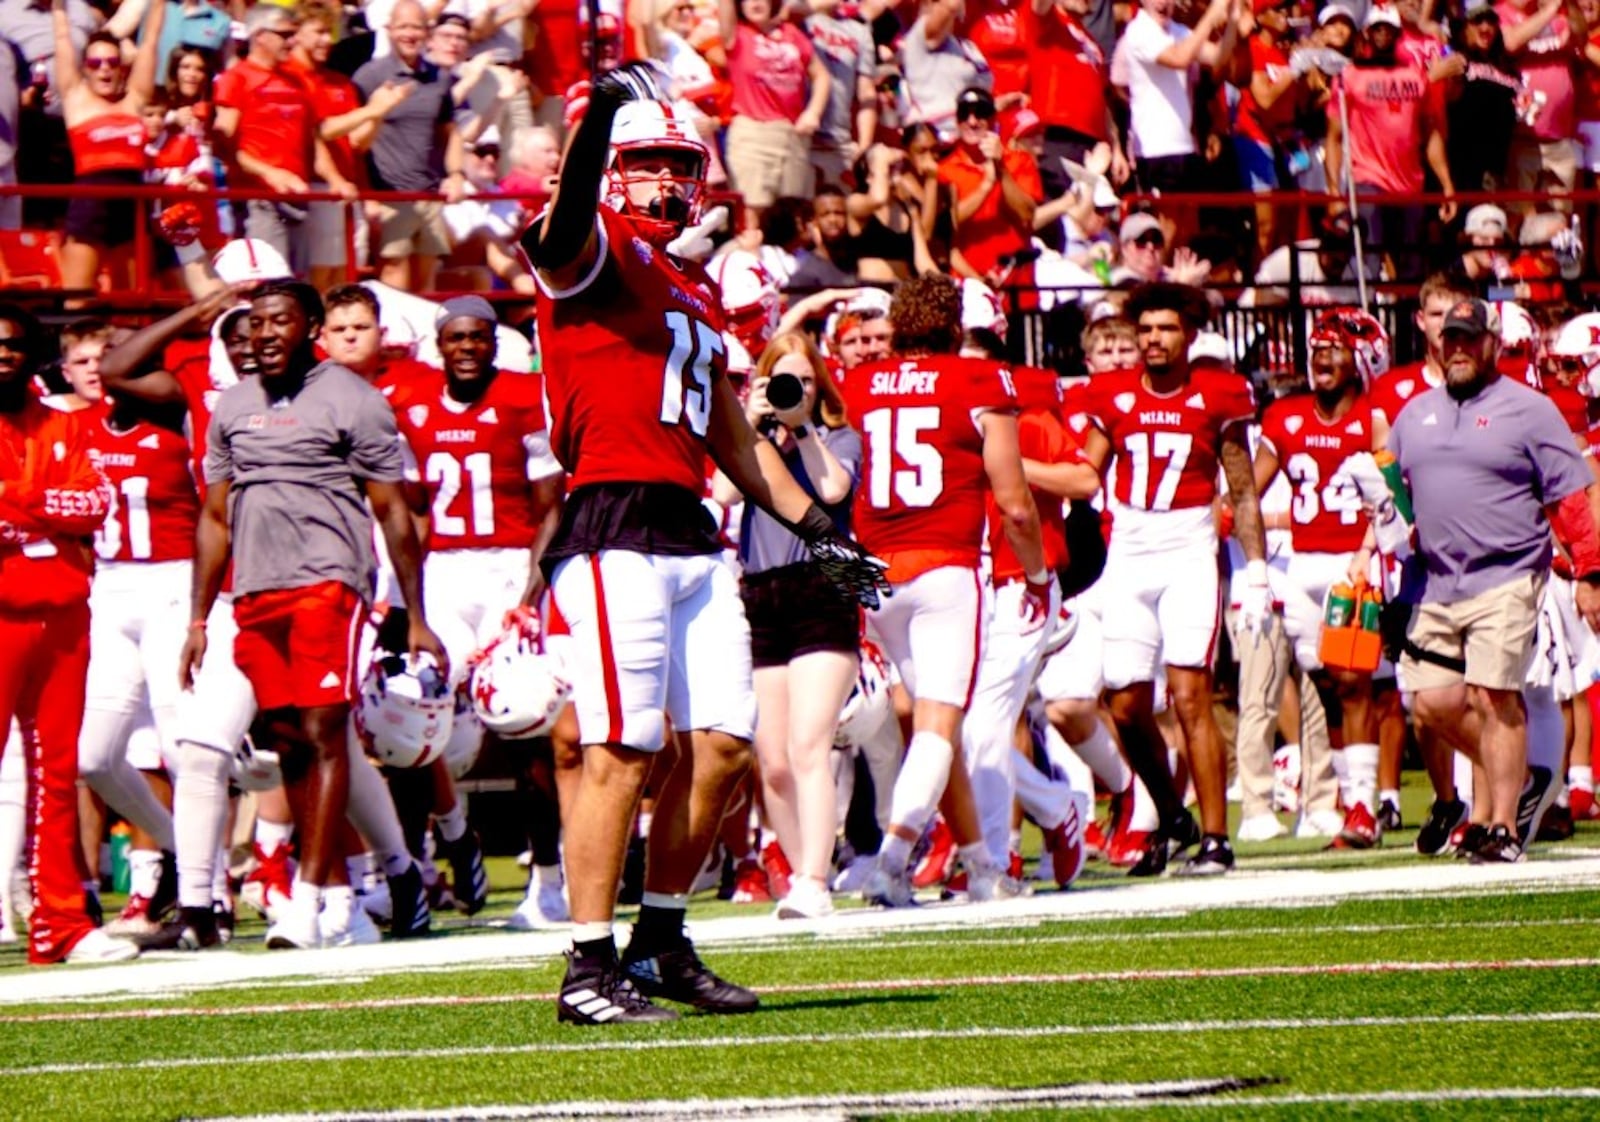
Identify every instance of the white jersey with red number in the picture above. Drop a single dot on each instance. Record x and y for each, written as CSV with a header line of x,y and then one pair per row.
x,y
475,462
156,503
1324,516
923,483
1166,452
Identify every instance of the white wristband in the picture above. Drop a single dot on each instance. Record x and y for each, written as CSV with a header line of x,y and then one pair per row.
x,y
1041,577
1255,573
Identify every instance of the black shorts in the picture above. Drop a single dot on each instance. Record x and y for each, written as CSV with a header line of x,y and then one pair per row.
x,y
105,222
793,611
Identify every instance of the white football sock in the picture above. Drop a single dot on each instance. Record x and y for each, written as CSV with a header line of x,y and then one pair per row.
x,y
1100,752
1360,775
273,836
144,872
1463,778
1578,778
452,823
1145,817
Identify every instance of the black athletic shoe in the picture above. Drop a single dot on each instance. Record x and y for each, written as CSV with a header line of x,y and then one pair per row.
x,y
166,895
1182,833
1172,838
1472,839
471,879
604,996
222,913
411,917
1557,825
1213,858
631,889
92,907
1500,847
1389,817
1533,792
1443,818
193,929
679,975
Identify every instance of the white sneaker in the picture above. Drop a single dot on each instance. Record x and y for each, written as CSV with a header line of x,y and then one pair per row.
x,y
1261,828
375,899
888,889
807,899
1235,793
352,927
98,947
1320,824
297,927
8,935
544,906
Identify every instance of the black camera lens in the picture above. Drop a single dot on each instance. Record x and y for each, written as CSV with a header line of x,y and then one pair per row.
x,y
785,391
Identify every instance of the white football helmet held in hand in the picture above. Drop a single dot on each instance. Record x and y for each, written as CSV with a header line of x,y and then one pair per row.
x,y
255,769
405,711
869,701
518,691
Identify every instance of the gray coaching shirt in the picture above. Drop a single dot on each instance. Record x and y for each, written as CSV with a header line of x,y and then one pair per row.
x,y
297,467
1481,473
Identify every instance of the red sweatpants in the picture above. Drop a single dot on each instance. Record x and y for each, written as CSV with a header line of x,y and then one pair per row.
x,y
44,662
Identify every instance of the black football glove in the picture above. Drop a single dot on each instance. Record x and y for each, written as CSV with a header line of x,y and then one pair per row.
x,y
640,80
851,568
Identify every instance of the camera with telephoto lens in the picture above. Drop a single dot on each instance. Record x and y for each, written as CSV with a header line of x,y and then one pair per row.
x,y
784,391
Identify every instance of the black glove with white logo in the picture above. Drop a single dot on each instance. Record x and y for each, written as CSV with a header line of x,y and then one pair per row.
x,y
842,561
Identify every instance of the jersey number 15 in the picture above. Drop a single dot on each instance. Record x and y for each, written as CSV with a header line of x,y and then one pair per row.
x,y
686,379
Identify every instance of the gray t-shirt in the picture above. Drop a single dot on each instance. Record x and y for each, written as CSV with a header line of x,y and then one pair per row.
x,y
763,543
934,78
298,507
30,27
407,153
1481,472
846,50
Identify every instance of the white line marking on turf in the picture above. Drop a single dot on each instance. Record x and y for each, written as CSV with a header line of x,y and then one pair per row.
x,y
873,985
1076,1096
1121,900
592,1044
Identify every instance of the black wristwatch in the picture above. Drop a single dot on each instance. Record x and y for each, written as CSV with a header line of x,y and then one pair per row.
x,y
799,431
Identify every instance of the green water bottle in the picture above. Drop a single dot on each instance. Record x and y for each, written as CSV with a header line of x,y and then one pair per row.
x,y
121,871
1341,606
1397,484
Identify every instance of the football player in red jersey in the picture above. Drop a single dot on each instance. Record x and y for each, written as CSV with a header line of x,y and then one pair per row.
x,y
51,498
1309,437
1390,393
940,435
479,471
1168,428
634,372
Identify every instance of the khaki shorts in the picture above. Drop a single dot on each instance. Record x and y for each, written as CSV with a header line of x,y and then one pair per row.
x,y
328,225
767,161
1493,631
412,229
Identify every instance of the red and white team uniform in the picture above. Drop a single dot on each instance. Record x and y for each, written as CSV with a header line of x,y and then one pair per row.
x,y
1161,565
921,506
1012,652
140,598
1326,521
477,464
631,353
1076,672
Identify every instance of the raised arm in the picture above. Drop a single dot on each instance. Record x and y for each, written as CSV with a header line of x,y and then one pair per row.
x,y
68,73
143,75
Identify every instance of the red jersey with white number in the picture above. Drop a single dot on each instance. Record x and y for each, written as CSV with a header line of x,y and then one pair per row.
x,y
155,502
923,484
1041,436
1324,517
1166,453
477,462
630,354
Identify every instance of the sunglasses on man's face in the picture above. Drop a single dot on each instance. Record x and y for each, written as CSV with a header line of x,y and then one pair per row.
x,y
102,62
1149,241
965,115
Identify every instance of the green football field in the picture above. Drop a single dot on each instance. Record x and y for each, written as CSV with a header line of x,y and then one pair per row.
x,y
1306,985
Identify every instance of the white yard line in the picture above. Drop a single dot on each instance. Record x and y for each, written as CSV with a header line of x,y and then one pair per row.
x,y
873,985
167,974
955,1100
592,1043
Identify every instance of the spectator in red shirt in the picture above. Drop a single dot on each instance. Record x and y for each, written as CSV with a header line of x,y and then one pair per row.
x,y
346,126
996,189
268,125
1067,80
1545,36
780,89
1265,138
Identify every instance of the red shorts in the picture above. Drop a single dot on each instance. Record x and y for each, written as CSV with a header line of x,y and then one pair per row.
x,y
297,646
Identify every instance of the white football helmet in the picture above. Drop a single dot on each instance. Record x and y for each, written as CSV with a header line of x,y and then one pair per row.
x,y
1578,342
518,691
1519,334
255,769
750,298
643,128
1362,333
1062,631
405,711
981,309
869,702
466,737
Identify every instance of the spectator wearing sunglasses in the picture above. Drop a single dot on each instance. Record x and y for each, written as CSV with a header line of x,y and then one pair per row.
x,y
996,189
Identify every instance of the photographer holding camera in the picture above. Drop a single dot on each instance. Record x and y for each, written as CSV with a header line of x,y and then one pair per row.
x,y
804,633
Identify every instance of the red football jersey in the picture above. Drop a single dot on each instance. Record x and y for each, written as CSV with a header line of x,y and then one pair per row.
x,y
1324,517
630,356
155,502
476,462
1390,393
1042,436
923,483
1166,446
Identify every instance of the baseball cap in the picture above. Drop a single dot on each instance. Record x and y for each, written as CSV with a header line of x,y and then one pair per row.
x,y
1331,12
453,19
1480,9
473,307
1472,317
488,138
1485,219
1136,226
975,101
1381,14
